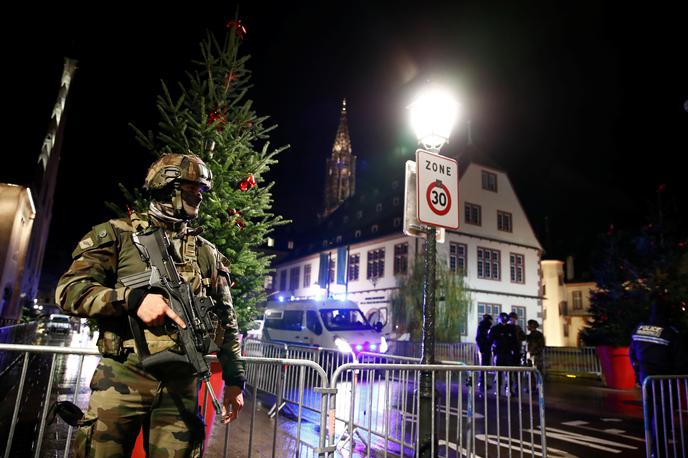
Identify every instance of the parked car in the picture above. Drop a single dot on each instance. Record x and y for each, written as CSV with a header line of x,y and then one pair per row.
x,y
58,323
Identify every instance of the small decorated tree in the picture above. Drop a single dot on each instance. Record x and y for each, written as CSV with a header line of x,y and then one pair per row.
x,y
210,116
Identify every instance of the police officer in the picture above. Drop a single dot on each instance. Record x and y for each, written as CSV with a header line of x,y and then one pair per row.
x,y
502,338
483,343
124,396
520,338
657,348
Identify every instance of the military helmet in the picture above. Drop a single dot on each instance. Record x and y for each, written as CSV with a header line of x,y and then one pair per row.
x,y
175,167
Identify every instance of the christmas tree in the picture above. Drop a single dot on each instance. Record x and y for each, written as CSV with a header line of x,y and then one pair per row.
x,y
211,117
632,269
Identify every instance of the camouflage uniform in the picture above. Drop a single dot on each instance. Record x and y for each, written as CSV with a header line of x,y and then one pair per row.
x,y
124,396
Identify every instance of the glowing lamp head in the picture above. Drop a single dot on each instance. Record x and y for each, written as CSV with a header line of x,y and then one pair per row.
x,y
433,115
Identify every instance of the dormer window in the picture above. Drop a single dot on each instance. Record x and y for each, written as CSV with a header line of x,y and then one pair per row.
x,y
374,228
357,234
489,181
378,208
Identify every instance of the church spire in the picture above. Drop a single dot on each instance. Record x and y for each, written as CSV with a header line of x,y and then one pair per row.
x,y
342,142
340,182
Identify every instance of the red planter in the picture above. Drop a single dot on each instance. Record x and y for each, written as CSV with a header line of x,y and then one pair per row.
x,y
616,367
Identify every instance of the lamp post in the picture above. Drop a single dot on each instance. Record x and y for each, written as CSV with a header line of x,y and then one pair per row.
x,y
433,114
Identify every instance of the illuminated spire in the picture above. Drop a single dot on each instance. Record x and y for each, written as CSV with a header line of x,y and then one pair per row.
x,y
342,142
340,182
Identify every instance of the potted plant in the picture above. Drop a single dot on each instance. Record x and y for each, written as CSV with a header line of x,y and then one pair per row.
x,y
617,304
627,269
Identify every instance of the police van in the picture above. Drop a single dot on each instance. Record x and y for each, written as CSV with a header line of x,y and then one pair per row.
x,y
328,323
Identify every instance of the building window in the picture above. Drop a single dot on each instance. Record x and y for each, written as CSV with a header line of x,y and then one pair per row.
x,y
504,221
357,234
306,275
489,180
521,312
373,228
488,264
290,245
544,290
490,309
378,208
401,258
283,280
354,262
359,214
457,257
376,264
269,282
339,239
346,219
471,214
395,184
396,222
577,301
395,201
566,330
516,268
330,274
294,278
561,279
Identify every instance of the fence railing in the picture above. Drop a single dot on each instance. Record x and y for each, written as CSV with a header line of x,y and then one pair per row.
x,y
379,409
665,409
319,412
579,361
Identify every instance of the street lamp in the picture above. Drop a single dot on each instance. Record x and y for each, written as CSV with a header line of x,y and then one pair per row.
x,y
433,114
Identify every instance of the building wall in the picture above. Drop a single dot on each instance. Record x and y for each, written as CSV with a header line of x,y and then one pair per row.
x,y
374,295
565,316
17,215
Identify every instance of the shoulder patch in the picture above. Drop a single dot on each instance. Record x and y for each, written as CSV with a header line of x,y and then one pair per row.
x,y
100,235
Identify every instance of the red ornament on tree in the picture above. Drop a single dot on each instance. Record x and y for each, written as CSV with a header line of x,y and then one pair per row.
x,y
248,183
218,118
238,26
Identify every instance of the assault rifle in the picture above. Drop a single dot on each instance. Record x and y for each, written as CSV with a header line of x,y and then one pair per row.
x,y
196,339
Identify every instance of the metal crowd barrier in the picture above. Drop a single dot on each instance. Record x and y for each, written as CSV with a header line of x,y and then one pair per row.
x,y
289,435
285,439
60,356
465,352
578,361
283,382
665,409
378,411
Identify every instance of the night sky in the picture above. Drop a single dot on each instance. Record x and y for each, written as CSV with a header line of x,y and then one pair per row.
x,y
584,105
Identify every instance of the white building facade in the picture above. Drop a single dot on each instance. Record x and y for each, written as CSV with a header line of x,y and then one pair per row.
x,y
495,247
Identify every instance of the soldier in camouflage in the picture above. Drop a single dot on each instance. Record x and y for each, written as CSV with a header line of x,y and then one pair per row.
x,y
125,397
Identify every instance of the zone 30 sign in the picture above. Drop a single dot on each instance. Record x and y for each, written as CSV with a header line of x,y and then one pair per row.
x,y
437,188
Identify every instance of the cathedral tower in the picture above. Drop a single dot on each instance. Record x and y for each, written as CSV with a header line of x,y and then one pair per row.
x,y
340,182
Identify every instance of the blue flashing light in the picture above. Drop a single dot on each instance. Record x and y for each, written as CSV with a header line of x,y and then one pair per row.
x,y
373,347
359,347
280,298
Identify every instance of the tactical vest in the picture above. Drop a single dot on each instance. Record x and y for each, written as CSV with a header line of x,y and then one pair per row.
x,y
115,337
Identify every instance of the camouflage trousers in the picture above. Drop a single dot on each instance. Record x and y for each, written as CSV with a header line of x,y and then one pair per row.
x,y
125,399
